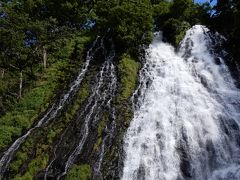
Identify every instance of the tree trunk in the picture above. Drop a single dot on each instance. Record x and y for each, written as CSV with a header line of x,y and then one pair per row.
x,y
20,84
44,57
2,73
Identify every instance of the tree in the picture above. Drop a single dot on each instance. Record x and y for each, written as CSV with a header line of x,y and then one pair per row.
x,y
13,38
174,30
133,23
226,20
161,13
181,8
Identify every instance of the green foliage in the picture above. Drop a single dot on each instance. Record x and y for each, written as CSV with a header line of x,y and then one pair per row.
x,y
16,32
175,30
181,8
37,164
21,156
226,20
175,17
132,22
161,12
27,109
102,11
28,27
81,172
34,151
33,167
37,99
101,126
26,176
128,71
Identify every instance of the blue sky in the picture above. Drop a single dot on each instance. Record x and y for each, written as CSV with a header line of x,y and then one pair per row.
x,y
202,1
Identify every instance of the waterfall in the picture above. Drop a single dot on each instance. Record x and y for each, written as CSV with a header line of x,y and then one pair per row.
x,y
51,113
100,100
186,121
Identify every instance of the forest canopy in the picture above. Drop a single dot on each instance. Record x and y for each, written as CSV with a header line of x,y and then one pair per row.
x,y
32,29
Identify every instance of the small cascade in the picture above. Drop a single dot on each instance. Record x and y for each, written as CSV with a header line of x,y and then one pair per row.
x,y
109,129
100,100
51,113
186,121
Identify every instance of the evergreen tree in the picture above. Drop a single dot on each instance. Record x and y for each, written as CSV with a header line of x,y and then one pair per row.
x,y
226,20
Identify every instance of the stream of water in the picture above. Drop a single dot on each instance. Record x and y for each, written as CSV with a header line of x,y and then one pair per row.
x,y
100,100
187,116
51,113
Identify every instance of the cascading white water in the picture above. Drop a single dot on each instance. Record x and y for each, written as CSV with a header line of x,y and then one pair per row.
x,y
186,122
108,130
94,100
52,112
101,97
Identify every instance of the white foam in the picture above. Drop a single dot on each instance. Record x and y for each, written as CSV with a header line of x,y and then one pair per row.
x,y
180,110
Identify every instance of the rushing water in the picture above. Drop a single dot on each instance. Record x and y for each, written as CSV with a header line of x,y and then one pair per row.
x,y
51,113
187,116
93,109
100,100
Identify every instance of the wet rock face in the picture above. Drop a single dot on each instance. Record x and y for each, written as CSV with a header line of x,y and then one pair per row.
x,y
95,135
86,126
223,55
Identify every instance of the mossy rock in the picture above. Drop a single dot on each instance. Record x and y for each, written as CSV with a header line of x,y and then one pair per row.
x,y
128,70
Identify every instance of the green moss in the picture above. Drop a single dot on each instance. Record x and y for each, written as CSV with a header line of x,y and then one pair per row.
x,y
25,154
82,172
82,96
53,133
34,166
101,126
37,164
21,157
97,144
26,176
128,71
